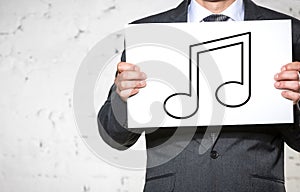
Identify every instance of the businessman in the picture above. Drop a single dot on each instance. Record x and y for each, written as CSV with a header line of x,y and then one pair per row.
x,y
248,158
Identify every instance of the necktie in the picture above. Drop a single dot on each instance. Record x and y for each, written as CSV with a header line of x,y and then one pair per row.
x,y
216,17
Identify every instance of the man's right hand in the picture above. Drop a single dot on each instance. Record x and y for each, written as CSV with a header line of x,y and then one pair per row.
x,y
129,80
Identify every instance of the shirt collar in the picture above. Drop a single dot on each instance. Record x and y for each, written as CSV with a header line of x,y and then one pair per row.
x,y
197,13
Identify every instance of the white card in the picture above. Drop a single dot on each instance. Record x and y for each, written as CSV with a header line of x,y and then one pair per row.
x,y
209,73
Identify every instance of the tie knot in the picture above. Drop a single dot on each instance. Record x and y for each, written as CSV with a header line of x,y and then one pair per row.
x,y
216,17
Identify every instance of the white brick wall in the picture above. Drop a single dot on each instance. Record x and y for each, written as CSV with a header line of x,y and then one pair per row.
x,y
42,44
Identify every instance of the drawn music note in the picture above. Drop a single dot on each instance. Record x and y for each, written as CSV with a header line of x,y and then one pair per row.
x,y
241,88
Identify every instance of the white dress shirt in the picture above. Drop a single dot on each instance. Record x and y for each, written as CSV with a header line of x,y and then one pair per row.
x,y
196,13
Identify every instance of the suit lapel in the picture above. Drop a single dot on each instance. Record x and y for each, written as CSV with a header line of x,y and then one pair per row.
x,y
252,11
180,13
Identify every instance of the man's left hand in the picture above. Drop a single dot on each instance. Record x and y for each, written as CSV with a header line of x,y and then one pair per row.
x,y
288,81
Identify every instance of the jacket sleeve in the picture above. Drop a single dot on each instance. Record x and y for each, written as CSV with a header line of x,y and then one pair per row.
x,y
112,122
291,134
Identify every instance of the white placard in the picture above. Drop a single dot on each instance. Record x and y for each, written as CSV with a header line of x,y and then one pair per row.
x,y
209,73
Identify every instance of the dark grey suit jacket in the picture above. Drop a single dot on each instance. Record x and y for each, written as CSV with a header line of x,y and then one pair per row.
x,y
243,159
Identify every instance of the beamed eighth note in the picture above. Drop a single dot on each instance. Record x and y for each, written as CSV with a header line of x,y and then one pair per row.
x,y
240,88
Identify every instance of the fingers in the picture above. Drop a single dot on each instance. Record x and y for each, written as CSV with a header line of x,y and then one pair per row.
x,y
125,94
294,66
289,81
122,66
125,89
288,85
287,75
131,75
293,96
123,85
129,80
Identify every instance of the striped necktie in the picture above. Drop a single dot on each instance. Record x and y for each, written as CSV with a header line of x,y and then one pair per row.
x,y
215,17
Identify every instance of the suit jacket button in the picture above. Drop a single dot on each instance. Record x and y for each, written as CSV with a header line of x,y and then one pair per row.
x,y
214,154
